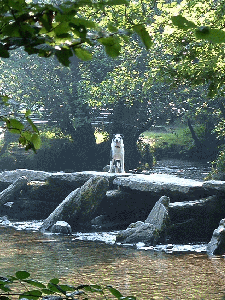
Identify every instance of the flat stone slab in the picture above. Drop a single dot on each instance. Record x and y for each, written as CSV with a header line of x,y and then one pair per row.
x,y
215,185
33,175
158,183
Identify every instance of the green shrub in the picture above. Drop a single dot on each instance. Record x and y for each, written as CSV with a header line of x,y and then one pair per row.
x,y
218,169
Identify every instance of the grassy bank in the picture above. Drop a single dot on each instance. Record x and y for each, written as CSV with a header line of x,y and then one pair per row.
x,y
169,142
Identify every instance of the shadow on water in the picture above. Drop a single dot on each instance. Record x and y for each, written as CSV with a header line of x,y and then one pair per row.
x,y
144,274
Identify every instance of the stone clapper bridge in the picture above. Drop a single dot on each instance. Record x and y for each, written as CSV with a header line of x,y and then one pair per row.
x,y
155,208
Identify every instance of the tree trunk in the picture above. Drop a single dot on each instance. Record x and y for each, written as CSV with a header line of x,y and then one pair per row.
x,y
193,134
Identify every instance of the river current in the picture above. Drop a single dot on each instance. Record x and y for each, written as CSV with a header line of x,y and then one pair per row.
x,y
162,272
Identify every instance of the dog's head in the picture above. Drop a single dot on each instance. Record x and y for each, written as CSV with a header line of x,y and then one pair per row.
x,y
118,139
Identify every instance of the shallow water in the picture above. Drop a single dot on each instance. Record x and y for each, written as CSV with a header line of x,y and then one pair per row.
x,y
182,168
144,274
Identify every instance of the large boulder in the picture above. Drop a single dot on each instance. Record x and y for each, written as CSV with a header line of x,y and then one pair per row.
x,y
150,231
194,221
217,244
80,205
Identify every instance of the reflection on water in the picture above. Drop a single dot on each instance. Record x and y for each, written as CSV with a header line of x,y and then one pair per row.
x,y
144,274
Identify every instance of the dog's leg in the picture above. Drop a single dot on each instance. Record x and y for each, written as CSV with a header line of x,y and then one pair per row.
x,y
111,161
117,170
122,164
111,166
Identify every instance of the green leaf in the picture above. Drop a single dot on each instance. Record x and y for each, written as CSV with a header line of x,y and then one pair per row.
x,y
15,124
144,35
33,294
114,292
34,127
11,30
28,112
112,45
82,22
53,288
216,36
3,51
62,28
83,54
35,282
56,288
63,56
22,275
36,140
65,17
91,288
182,23
5,288
27,135
112,28
129,298
116,2
66,287
47,291
18,5
46,20
54,281
53,285
22,140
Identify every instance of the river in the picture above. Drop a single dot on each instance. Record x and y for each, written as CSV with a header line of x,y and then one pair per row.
x,y
147,273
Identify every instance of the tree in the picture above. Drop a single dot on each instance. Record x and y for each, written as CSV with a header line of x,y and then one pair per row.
x,y
188,54
72,29
63,30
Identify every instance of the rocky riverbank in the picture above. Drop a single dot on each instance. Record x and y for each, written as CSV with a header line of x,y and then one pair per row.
x,y
102,201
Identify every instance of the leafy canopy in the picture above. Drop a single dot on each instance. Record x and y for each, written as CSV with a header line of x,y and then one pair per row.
x,y
64,29
189,33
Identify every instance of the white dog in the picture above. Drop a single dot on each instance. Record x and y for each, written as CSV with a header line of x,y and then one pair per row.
x,y
117,154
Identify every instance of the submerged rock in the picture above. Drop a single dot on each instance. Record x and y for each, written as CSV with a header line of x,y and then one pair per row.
x,y
217,244
80,205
